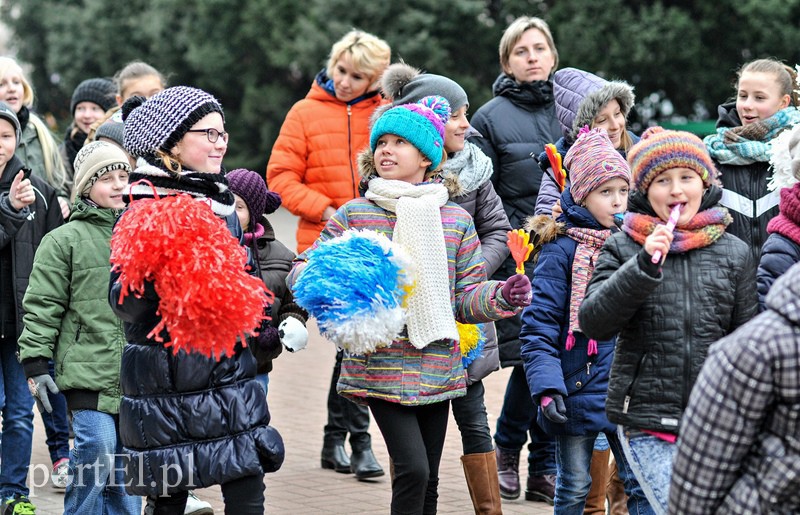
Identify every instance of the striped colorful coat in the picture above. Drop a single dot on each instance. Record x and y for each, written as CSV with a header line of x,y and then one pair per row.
x,y
402,373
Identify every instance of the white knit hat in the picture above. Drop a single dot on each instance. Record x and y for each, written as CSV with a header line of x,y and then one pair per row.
x,y
93,161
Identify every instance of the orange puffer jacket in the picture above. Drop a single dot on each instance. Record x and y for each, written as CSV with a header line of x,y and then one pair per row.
x,y
314,160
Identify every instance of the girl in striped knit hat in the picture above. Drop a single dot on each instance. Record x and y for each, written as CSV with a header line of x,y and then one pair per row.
x,y
408,383
667,295
572,404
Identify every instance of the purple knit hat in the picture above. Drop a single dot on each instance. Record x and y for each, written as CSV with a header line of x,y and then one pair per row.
x,y
593,160
253,190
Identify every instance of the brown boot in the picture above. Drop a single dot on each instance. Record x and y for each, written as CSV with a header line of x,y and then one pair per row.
x,y
596,500
617,500
480,471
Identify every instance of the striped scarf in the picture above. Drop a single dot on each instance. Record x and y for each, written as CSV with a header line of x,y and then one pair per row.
x,y
590,241
202,186
748,144
702,230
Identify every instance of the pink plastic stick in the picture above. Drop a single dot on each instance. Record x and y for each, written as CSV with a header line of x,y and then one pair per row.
x,y
673,220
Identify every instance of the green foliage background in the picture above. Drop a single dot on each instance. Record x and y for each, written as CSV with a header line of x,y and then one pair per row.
x,y
260,56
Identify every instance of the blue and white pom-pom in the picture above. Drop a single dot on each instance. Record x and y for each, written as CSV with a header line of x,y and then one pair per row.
x,y
780,160
356,286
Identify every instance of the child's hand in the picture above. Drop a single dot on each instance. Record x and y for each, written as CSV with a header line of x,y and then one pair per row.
x,y
553,408
64,203
659,240
21,193
556,210
517,290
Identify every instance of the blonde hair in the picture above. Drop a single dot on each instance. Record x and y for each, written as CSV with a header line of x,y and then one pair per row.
x,y
55,174
784,75
136,70
369,54
514,32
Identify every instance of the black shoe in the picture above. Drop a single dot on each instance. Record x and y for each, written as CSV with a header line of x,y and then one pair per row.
x,y
335,457
364,465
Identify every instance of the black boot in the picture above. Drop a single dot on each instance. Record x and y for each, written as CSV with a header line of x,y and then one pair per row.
x,y
335,457
364,465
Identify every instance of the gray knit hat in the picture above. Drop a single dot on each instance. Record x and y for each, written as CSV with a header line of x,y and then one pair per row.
x,y
158,123
580,95
99,91
404,84
93,161
110,129
7,113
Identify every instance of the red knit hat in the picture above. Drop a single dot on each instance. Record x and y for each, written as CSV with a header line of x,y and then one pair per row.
x,y
660,150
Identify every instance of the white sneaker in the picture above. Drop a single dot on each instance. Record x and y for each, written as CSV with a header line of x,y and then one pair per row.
x,y
195,506
60,474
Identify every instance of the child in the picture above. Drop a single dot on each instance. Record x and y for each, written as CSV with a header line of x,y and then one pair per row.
x,y
666,313
467,175
253,203
138,78
90,100
180,135
738,450
37,148
568,373
765,105
29,209
68,320
407,385
782,248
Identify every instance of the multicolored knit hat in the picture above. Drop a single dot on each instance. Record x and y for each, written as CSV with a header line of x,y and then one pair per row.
x,y
158,123
660,150
421,124
593,160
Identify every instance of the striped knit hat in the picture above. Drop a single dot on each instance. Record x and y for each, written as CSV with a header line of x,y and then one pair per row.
x,y
591,161
660,150
421,124
159,123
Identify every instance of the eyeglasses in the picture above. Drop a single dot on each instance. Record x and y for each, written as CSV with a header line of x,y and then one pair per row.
x,y
212,134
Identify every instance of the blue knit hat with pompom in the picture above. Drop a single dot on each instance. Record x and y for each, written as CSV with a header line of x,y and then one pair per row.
x,y
421,124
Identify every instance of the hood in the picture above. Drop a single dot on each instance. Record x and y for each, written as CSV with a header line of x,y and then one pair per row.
x,y
727,116
784,296
13,166
580,95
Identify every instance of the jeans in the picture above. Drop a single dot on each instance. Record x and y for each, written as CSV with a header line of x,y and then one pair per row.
x,y
470,414
56,424
517,419
414,437
243,496
97,468
17,423
573,481
650,459
263,380
345,416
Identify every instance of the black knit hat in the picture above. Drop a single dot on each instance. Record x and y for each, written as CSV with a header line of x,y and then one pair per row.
x,y
99,91
159,123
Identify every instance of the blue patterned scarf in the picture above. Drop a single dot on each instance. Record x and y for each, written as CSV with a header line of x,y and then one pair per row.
x,y
748,144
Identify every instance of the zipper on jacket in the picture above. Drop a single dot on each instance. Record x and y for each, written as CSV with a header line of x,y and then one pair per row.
x,y
78,333
626,402
687,339
350,151
754,225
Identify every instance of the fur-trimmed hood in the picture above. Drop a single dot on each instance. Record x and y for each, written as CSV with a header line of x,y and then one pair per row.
x,y
580,95
543,228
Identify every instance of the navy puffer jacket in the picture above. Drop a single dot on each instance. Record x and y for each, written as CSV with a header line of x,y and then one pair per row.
x,y
188,421
581,379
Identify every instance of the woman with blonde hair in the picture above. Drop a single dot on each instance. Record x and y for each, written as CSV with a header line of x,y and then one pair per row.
x,y
313,166
514,125
37,147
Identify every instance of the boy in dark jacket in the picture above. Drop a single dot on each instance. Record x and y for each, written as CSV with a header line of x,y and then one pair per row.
x,y
29,209
668,295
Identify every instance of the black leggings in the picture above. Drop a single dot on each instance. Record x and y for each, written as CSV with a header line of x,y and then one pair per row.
x,y
244,496
414,437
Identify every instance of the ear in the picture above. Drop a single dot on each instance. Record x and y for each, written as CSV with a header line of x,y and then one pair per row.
x,y
426,162
119,100
176,150
787,99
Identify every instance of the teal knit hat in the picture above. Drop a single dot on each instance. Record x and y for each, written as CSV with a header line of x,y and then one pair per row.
x,y
421,124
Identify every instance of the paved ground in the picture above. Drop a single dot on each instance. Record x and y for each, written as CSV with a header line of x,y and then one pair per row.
x,y
297,394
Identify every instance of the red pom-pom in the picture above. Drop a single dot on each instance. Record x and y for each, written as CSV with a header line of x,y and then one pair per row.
x,y
207,299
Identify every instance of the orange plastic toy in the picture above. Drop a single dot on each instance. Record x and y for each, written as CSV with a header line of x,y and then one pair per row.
x,y
518,242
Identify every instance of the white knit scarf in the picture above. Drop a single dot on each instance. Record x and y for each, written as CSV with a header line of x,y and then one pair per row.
x,y
419,232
